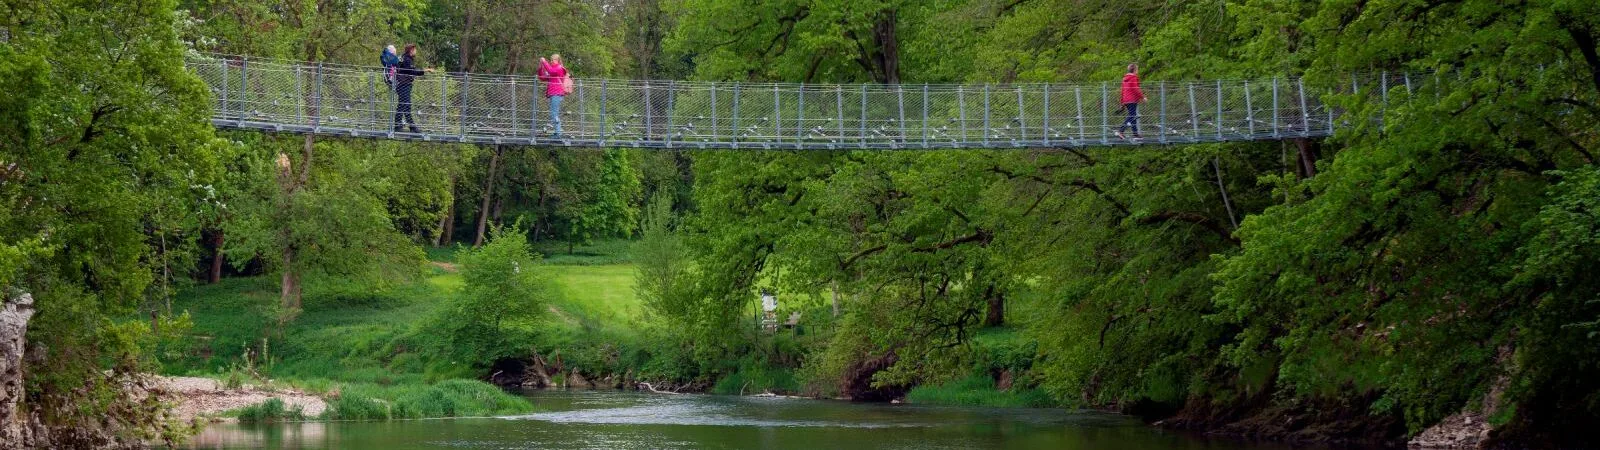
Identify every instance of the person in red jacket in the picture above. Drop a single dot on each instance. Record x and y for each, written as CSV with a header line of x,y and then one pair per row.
x,y
1132,96
556,82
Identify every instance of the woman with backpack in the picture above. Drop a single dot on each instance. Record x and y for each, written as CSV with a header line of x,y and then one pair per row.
x,y
406,72
557,86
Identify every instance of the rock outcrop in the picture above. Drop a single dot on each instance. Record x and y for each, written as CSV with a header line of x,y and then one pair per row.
x,y
15,427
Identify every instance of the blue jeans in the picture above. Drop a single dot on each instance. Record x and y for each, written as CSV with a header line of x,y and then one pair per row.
x,y
555,112
1133,118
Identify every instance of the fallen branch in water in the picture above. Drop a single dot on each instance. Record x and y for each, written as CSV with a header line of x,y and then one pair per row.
x,y
653,389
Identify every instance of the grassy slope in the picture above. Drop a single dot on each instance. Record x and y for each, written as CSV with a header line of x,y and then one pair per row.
x,y
349,338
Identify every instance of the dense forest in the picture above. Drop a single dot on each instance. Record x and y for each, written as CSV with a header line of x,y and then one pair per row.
x,y
1436,258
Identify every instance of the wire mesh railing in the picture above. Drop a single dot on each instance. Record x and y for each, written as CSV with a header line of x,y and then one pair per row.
x,y
346,100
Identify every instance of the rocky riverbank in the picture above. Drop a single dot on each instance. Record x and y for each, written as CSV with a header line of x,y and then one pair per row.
x,y
205,398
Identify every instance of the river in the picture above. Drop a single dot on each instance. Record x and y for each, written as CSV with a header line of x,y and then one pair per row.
x,y
612,419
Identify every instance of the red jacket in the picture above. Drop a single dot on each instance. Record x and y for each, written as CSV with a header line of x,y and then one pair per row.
x,y
1130,89
552,74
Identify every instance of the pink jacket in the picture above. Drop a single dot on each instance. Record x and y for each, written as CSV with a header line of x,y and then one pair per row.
x,y
552,74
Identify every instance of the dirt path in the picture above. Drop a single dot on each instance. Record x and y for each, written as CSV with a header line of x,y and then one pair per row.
x,y
197,397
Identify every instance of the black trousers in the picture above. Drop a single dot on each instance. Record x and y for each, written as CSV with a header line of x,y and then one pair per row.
x,y
402,105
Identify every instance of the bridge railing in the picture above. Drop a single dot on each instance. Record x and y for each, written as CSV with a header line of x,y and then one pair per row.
x,y
460,107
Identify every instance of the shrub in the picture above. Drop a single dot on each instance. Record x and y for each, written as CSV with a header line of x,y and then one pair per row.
x,y
272,410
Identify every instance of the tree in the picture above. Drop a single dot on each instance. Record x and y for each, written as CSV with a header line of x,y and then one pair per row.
x,y
506,290
305,31
102,128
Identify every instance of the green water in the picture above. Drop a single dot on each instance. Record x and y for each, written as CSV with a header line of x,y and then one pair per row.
x,y
609,419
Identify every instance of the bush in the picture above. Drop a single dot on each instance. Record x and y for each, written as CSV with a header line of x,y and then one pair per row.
x,y
353,407
504,292
272,410
451,398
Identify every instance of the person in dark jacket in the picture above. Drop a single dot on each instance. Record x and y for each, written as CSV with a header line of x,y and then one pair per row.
x,y
405,73
1132,95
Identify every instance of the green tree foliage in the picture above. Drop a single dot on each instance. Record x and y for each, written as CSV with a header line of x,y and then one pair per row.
x,y
105,142
1393,274
664,279
506,293
339,224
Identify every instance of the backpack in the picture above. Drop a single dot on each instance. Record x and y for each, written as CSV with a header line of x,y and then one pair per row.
x,y
566,85
390,62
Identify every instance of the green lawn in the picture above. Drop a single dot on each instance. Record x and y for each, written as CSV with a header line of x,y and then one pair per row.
x,y
354,333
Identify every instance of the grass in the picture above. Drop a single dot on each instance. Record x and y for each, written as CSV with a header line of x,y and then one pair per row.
x,y
271,410
978,390
449,398
603,252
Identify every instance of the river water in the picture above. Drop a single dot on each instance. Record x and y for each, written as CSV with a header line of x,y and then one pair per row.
x,y
612,419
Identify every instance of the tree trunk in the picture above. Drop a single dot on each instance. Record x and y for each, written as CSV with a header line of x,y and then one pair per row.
x,y
1308,157
290,284
449,227
17,310
488,194
888,45
997,309
835,289
291,181
216,257
447,222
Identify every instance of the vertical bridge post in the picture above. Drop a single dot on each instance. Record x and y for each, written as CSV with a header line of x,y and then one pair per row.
x,y
1045,121
1105,114
961,104
838,104
1219,111
900,100
461,112
672,100
1275,131
244,90
316,100
1163,87
924,115
800,116
1194,117
986,127
1305,114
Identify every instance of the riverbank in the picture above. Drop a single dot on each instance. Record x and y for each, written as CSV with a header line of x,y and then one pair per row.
x,y
209,399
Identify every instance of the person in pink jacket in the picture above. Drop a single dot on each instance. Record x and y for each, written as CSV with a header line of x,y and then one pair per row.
x,y
1132,96
556,83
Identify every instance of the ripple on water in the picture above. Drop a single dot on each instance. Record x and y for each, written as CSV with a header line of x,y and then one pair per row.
x,y
697,413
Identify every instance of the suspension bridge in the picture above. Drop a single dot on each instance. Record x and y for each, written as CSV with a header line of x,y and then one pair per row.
x,y
355,101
